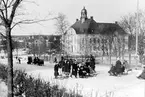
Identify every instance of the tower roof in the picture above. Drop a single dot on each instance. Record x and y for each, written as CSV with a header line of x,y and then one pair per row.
x,y
84,10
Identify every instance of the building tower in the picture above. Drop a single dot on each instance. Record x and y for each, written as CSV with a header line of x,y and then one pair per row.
x,y
83,15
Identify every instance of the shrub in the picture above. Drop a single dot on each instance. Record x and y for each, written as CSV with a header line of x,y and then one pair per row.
x,y
31,87
3,72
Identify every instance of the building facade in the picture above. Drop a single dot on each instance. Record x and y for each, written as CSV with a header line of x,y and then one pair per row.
x,y
86,36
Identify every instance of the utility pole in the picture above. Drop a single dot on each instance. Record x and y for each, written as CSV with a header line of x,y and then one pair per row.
x,y
137,32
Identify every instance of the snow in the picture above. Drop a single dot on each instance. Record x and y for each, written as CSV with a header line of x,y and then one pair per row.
x,y
102,84
124,86
3,89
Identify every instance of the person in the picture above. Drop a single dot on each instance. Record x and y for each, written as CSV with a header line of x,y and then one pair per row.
x,y
62,64
87,62
87,67
118,67
112,70
56,67
19,60
82,71
92,62
124,66
35,60
55,60
74,69
142,75
29,60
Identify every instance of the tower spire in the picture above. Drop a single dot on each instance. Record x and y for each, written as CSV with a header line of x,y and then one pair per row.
x,y
83,14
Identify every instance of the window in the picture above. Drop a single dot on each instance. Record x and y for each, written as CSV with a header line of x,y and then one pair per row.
x,y
98,41
90,40
94,40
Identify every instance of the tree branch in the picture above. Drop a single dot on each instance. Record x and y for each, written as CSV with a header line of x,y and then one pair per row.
x,y
5,7
2,17
10,3
3,35
15,5
30,22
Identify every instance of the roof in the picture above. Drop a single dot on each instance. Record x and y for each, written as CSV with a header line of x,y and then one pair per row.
x,y
90,26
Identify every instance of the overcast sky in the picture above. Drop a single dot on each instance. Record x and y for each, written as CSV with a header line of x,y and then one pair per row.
x,y
101,10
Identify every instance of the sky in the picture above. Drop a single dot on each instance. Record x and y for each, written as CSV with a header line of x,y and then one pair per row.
x,y
101,10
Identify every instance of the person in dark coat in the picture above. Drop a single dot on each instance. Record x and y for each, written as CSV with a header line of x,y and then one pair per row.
x,y
112,70
87,67
55,60
74,69
19,60
67,69
87,63
29,60
56,67
118,67
62,63
82,71
123,66
92,62
35,60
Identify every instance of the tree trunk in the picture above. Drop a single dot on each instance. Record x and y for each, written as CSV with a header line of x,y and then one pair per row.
x,y
10,62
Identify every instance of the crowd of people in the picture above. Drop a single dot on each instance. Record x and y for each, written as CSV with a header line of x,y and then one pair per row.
x,y
70,67
35,60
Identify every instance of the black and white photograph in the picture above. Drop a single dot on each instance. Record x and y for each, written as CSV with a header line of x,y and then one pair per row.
x,y
72,48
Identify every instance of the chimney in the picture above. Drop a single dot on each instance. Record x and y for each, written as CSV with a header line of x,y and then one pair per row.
x,y
77,20
116,22
91,17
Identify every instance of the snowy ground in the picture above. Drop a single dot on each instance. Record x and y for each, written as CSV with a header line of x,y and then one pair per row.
x,y
124,86
3,89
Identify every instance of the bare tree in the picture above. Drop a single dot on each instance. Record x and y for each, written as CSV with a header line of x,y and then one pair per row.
x,y
8,12
62,25
129,23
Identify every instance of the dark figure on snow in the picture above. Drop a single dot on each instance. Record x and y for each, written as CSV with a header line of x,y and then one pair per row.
x,y
62,63
123,66
19,60
118,67
29,60
56,67
87,63
112,70
67,66
74,69
92,62
82,71
35,60
55,60
87,67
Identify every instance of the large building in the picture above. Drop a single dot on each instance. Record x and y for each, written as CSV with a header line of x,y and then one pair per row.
x,y
85,36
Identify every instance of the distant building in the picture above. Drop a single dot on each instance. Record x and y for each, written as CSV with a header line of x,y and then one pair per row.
x,y
85,36
51,42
